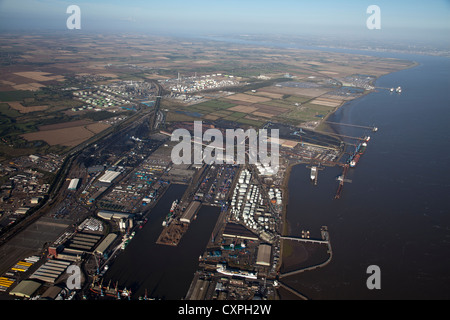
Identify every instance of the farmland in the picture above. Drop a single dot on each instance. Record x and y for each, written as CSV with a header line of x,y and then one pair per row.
x,y
256,107
66,134
38,78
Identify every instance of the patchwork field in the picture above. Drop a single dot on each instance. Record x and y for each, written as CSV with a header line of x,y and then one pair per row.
x,y
267,94
22,109
327,102
241,108
259,106
38,71
248,98
39,76
27,80
309,92
70,134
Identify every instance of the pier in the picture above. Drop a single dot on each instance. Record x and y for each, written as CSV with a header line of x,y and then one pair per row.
x,y
325,240
341,135
353,125
306,240
341,180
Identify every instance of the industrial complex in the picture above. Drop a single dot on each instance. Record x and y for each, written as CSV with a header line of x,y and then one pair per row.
x,y
105,192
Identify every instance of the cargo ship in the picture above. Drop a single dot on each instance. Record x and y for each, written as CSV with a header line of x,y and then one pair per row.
x,y
360,149
174,206
168,218
355,160
313,173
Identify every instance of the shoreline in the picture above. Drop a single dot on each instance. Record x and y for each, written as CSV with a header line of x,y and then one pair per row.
x,y
323,127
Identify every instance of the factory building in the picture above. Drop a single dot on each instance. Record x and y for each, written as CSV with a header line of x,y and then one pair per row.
x,y
190,212
113,215
35,200
109,176
83,241
22,210
73,185
238,231
264,253
124,224
104,245
25,288
50,271
70,254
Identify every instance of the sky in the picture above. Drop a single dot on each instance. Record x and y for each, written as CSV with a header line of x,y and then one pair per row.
x,y
413,18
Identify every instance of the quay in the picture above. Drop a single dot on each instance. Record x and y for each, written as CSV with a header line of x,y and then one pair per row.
x,y
325,240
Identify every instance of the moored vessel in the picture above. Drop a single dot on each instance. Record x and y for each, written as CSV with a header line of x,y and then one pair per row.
x,y
313,173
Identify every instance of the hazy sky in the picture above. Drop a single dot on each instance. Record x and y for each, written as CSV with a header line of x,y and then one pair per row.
x,y
398,17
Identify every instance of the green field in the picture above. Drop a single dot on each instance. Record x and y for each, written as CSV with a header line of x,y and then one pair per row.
x,y
307,112
254,123
17,95
13,123
291,113
5,110
235,116
212,105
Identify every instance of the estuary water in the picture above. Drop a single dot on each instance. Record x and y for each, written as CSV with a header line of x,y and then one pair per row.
x,y
164,272
396,212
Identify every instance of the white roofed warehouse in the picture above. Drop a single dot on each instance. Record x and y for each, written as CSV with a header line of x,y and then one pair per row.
x,y
264,254
73,185
109,176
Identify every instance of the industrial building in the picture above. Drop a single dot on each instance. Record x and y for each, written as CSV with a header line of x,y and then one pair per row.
x,y
190,212
83,241
235,230
52,293
70,254
264,254
35,200
73,185
200,289
104,245
22,210
109,176
25,289
113,215
50,271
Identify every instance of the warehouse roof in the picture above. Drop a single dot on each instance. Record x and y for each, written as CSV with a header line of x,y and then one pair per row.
x,y
263,258
25,288
191,210
109,176
73,184
106,243
108,215
235,230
